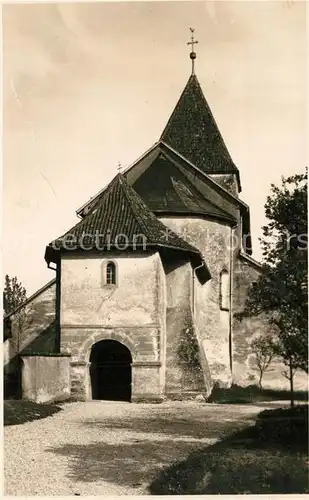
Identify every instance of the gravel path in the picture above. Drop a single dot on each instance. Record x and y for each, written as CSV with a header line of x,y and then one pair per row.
x,y
101,448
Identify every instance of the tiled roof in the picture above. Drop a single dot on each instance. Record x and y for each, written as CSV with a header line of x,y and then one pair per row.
x,y
121,219
192,130
165,189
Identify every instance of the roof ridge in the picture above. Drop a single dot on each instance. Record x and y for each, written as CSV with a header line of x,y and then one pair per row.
x,y
181,190
174,110
158,144
250,259
135,216
126,188
194,188
98,206
130,190
204,174
193,130
101,191
151,226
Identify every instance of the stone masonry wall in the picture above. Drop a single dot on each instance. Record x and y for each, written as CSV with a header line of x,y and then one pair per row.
x,y
45,378
33,330
37,332
181,377
244,366
212,324
131,312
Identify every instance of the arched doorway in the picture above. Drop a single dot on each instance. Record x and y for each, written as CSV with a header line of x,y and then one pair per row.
x,y
110,371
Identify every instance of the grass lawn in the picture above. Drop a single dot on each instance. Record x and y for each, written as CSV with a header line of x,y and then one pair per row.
x,y
251,461
20,411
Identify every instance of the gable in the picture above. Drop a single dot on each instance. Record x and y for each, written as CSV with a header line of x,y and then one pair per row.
x,y
164,188
121,220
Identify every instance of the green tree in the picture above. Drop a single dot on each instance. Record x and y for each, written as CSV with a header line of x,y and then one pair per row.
x,y
264,350
282,289
14,294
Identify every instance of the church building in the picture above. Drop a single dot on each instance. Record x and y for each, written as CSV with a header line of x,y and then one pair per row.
x,y
149,279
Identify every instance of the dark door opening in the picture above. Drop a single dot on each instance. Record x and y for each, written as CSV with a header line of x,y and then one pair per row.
x,y
110,371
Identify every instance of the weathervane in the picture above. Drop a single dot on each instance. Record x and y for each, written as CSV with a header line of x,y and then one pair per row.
x,y
192,53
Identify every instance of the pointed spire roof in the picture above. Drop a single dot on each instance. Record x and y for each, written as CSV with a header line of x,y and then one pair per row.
x,y
193,132
121,221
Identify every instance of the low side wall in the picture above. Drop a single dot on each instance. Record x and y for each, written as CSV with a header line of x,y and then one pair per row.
x,y
45,378
244,364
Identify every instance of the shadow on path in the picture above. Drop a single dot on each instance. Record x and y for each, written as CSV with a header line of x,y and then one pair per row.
x,y
240,464
127,463
132,450
199,427
165,451
22,411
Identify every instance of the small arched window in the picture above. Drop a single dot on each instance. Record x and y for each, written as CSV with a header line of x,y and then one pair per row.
x,y
111,273
224,290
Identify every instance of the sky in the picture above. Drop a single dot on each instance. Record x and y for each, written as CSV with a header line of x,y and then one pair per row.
x,y
88,85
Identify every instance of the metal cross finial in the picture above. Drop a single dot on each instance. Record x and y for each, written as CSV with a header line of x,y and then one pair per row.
x,y
192,53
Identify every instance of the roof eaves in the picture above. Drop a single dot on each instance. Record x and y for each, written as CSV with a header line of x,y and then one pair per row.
x,y
197,214
147,152
137,216
174,111
251,260
186,246
194,253
181,249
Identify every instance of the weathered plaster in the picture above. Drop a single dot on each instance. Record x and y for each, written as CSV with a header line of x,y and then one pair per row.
x,y
45,378
244,366
38,329
212,325
179,376
85,301
133,313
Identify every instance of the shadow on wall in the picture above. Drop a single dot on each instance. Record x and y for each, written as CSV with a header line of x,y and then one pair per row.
x,y
44,342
